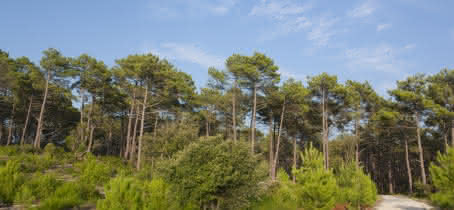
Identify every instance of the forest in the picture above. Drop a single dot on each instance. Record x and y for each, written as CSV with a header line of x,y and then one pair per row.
x,y
75,132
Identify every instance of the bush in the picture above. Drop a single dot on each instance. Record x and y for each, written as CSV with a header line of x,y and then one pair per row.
x,y
66,196
11,179
40,186
129,193
215,172
442,173
94,172
356,188
281,195
316,187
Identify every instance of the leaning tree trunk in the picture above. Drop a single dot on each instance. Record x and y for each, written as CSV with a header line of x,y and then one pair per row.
x,y
139,155
89,118
37,142
132,152
234,112
128,135
11,123
254,107
407,161
421,155
324,129
276,155
271,144
24,131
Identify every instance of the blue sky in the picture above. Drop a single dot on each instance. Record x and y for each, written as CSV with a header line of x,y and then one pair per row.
x,y
377,41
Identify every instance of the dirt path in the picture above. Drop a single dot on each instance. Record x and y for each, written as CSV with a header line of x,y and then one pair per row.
x,y
391,202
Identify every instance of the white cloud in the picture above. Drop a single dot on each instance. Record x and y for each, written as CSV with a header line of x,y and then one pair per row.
x,y
278,9
172,9
322,31
221,7
384,26
363,10
291,74
188,53
291,17
384,58
410,46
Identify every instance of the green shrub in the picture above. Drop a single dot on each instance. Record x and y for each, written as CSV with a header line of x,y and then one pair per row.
x,y
10,150
422,190
356,188
66,196
11,179
129,193
281,195
32,163
94,172
42,185
215,172
442,173
315,186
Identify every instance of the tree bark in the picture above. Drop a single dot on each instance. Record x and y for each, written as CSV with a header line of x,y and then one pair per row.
x,y
445,137
271,144
144,107
132,153
357,142
276,155
27,118
452,133
82,134
407,160
234,112
89,118
421,155
294,160
131,112
390,179
11,123
155,131
37,142
90,139
207,132
1,131
254,107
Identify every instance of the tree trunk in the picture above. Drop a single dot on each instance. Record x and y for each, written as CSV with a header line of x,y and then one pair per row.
x,y
390,179
89,117
271,144
254,107
445,137
234,112
11,123
407,160
131,112
37,142
276,155
27,118
452,133
294,160
421,155
155,131
207,132
1,131
142,122
357,142
82,134
90,139
132,153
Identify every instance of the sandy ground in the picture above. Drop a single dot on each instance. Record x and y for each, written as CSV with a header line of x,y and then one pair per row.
x,y
390,202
